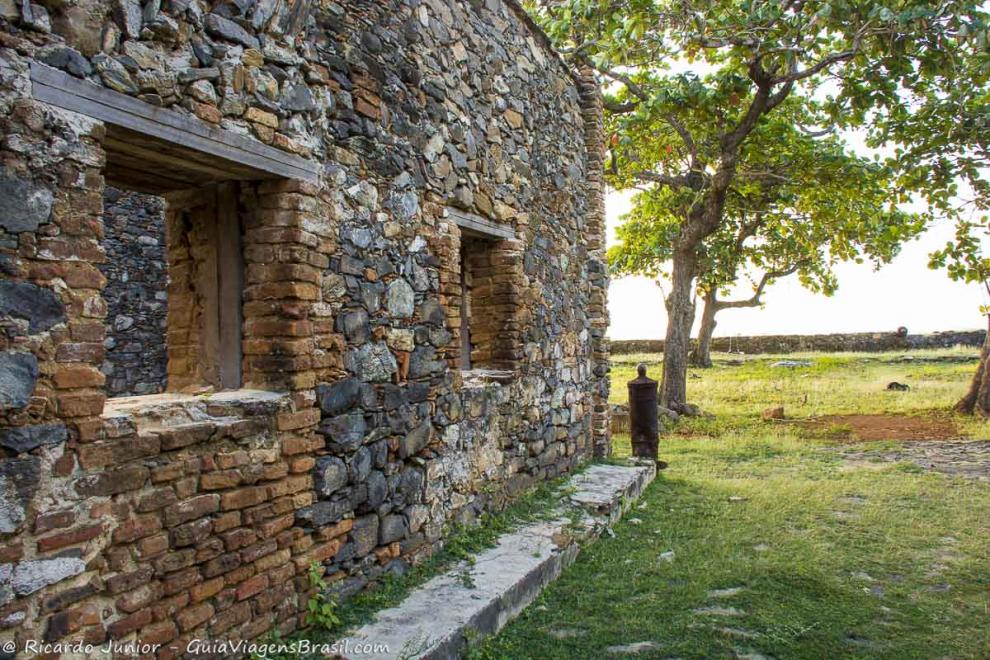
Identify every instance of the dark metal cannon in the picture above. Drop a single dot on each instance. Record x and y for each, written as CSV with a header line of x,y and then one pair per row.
x,y
643,415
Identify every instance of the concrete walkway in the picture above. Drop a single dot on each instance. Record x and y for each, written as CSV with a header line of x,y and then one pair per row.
x,y
477,599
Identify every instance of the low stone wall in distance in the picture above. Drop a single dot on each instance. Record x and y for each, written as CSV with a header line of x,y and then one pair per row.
x,y
858,341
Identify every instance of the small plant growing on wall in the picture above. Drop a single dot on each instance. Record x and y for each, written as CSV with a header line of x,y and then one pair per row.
x,y
321,608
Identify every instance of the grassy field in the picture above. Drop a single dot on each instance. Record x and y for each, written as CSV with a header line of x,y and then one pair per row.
x,y
770,540
835,383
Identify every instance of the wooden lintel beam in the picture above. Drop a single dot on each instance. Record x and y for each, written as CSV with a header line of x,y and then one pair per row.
x,y
476,224
122,150
60,89
128,178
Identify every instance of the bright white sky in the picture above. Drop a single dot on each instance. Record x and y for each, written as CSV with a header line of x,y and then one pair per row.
x,y
905,292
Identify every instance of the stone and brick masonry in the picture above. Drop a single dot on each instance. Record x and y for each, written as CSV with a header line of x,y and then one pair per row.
x,y
356,440
136,269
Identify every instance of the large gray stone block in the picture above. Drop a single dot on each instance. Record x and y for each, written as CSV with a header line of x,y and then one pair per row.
x,y
18,484
344,433
231,31
24,205
364,534
329,475
23,439
377,489
400,299
324,512
39,306
393,528
30,576
416,440
372,363
340,397
18,374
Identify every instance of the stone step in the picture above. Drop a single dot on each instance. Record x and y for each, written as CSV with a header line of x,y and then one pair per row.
x,y
477,599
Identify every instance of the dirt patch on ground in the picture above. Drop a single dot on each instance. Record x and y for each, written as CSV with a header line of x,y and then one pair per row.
x,y
883,427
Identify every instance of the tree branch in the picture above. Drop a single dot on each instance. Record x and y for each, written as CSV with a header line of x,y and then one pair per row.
x,y
633,87
727,41
757,107
685,137
636,90
764,175
748,229
672,181
618,108
754,300
576,51
815,134
795,75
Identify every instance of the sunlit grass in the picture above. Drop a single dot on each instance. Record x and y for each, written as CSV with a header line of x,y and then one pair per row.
x,y
835,383
884,563
833,558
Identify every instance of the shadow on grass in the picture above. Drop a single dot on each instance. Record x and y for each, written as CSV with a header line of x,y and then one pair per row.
x,y
815,579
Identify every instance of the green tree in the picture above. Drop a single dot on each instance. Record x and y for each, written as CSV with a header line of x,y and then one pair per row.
x,y
759,53
941,133
800,203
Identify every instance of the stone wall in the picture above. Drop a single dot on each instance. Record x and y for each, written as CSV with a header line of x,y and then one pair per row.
x,y
859,341
597,267
411,443
136,273
164,518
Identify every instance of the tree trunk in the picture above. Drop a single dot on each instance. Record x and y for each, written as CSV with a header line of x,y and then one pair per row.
x,y
703,220
977,399
680,318
701,356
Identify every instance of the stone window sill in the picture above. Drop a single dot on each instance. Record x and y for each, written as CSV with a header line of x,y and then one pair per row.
x,y
171,411
483,377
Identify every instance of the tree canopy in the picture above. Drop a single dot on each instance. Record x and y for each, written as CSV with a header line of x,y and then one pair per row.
x,y
800,203
939,129
853,57
941,139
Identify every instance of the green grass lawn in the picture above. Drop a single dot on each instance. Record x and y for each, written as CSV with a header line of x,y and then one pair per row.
x,y
764,540
836,383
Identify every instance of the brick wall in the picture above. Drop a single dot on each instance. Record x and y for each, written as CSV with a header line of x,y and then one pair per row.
x,y
594,232
493,270
192,283
192,504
